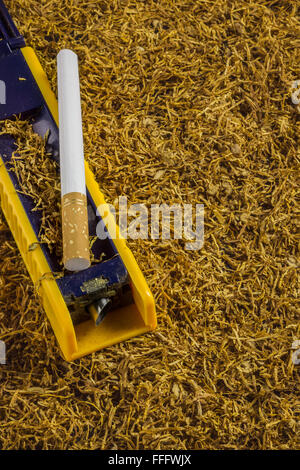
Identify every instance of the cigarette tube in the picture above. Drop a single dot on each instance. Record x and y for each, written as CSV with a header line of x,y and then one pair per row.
x,y
76,253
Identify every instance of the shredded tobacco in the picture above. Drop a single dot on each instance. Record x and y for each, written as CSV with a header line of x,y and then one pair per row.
x,y
183,102
38,179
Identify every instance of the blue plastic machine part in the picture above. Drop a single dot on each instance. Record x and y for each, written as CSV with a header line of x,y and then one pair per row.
x,y
9,32
107,278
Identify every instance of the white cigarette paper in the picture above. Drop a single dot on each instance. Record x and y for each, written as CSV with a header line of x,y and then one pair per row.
x,y
72,171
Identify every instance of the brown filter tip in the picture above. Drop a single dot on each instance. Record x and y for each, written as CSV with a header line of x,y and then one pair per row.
x,y
76,256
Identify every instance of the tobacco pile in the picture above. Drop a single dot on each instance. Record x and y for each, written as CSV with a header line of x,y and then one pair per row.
x,y
188,102
38,178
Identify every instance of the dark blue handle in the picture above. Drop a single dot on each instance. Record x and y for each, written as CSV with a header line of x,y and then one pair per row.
x,y
8,30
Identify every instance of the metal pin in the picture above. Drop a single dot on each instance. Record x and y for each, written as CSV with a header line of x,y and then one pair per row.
x,y
100,309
